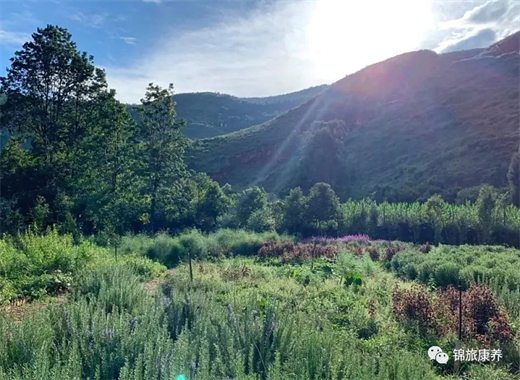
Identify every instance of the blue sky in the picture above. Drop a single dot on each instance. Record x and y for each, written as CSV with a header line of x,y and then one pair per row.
x,y
252,48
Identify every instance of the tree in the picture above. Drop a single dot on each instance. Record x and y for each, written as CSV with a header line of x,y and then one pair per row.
x,y
513,176
251,200
293,210
207,202
162,148
106,191
323,211
71,134
436,215
49,88
485,205
322,154
261,220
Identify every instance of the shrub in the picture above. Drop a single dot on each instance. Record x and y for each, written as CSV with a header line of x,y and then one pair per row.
x,y
425,248
236,272
273,249
483,317
414,306
374,253
166,250
391,250
290,252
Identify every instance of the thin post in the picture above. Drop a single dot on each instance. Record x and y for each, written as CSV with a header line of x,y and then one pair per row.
x,y
460,312
189,263
458,343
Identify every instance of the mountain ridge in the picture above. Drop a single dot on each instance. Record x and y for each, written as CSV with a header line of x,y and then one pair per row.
x,y
416,110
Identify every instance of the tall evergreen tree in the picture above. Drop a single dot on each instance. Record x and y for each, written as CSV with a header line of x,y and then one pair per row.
x,y
162,148
50,92
513,175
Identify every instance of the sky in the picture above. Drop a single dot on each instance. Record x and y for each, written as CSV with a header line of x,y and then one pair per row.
x,y
252,47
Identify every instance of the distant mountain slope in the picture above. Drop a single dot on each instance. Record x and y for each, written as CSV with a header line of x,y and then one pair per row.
x,y
410,126
210,114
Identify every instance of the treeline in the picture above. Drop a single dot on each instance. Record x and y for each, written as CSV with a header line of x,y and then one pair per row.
x,y
77,159
491,219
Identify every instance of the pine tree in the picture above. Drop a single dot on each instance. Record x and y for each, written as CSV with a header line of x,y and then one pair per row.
x,y
49,88
162,148
323,211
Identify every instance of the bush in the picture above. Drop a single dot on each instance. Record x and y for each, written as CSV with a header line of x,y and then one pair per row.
x,y
483,317
33,265
445,265
290,252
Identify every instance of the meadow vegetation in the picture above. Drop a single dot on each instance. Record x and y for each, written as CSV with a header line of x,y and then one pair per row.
x,y
273,309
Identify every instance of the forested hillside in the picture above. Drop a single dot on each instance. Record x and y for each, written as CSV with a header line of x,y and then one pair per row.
x,y
210,114
403,129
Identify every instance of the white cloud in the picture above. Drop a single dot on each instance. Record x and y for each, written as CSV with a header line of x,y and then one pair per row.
x,y
276,48
256,55
14,38
480,25
285,46
95,20
129,40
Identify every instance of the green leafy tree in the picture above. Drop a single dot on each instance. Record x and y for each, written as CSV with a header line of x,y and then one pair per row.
x,y
293,210
486,203
106,190
207,202
40,213
71,135
11,219
49,88
251,200
162,148
513,176
261,220
435,211
323,211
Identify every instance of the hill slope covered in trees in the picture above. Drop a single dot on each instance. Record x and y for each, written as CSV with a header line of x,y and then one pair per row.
x,y
401,129
210,114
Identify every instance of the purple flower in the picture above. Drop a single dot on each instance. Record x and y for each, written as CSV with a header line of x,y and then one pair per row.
x,y
360,238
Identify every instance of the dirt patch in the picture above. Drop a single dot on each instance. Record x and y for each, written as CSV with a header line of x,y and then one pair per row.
x,y
152,285
21,308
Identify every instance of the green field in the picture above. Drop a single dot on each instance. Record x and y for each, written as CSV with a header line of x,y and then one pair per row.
x,y
260,306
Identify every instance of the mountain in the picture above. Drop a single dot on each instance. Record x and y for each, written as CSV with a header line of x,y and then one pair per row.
x,y
211,114
402,129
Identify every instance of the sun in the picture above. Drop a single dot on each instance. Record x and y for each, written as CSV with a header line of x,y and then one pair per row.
x,y
346,35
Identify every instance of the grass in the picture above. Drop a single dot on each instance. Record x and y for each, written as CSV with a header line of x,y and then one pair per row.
x,y
495,266
34,265
224,243
242,317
